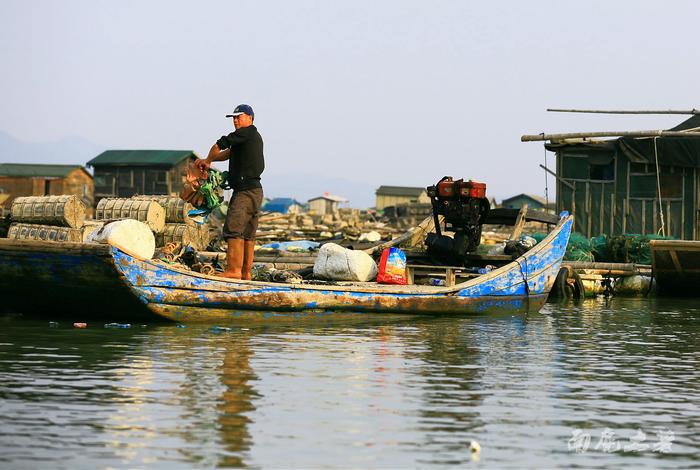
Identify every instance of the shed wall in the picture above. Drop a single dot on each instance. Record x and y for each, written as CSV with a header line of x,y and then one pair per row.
x,y
612,195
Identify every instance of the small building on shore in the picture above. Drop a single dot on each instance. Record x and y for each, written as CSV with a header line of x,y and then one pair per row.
x,y
326,204
532,201
283,205
394,195
25,179
646,185
124,173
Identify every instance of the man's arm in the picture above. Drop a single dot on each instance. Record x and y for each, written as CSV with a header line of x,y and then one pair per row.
x,y
215,155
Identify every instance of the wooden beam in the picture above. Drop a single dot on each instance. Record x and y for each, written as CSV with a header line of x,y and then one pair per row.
x,y
559,178
676,263
418,232
519,223
603,111
586,135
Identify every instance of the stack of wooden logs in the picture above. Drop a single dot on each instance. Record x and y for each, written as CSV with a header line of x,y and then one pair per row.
x,y
347,224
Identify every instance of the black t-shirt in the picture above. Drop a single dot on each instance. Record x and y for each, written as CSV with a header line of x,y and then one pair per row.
x,y
246,162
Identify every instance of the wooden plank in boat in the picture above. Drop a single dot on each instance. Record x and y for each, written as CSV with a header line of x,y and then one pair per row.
x,y
450,273
505,216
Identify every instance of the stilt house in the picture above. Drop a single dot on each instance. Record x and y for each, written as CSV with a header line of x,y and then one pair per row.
x,y
647,185
124,173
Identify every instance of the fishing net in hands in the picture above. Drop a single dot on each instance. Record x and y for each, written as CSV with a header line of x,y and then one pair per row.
x,y
204,190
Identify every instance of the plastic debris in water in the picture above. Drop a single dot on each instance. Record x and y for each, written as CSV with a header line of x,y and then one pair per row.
x,y
219,329
475,449
80,325
117,325
53,324
180,325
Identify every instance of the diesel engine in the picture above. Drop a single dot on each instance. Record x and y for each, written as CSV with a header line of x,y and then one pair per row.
x,y
464,206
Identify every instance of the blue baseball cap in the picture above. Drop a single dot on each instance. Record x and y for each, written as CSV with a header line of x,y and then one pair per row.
x,y
242,109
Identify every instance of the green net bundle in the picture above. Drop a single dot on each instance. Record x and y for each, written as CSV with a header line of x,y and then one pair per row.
x,y
632,248
578,249
600,248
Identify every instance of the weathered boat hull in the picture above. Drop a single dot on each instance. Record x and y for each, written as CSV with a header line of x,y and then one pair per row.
x,y
65,279
116,280
194,314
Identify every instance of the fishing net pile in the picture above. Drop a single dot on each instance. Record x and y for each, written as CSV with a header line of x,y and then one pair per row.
x,y
625,248
632,248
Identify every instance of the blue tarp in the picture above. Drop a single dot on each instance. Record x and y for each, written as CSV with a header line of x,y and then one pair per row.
x,y
298,245
280,204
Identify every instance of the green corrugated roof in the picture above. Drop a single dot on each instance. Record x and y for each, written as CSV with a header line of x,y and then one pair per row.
x,y
28,169
141,157
399,191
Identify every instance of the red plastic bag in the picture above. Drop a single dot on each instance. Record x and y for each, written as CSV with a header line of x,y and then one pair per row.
x,y
392,267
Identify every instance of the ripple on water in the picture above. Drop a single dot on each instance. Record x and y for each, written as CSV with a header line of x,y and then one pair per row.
x,y
401,394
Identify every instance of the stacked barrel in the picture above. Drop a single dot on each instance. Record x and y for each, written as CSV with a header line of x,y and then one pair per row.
x,y
48,218
167,216
62,218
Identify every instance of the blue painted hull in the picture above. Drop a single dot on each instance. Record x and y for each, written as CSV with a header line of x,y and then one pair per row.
x,y
153,287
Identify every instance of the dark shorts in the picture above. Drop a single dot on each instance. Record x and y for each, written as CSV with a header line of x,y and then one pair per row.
x,y
242,214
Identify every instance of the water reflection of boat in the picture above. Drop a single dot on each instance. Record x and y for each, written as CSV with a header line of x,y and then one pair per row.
x,y
100,279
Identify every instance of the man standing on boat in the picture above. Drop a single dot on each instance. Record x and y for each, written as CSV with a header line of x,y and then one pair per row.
x,y
243,148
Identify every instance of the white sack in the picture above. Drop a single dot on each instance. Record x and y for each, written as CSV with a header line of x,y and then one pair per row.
x,y
130,236
340,264
370,237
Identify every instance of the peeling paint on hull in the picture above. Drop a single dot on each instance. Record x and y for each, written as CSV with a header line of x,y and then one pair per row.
x,y
521,286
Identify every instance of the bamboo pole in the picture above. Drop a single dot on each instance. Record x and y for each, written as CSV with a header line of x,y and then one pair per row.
x,y
585,135
414,234
559,178
603,111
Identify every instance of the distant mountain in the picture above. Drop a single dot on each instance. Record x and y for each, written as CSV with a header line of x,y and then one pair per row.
x,y
69,150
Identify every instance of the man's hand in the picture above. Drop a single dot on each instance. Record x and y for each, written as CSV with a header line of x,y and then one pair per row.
x,y
202,165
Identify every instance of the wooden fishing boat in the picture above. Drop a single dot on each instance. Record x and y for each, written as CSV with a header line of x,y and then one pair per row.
x,y
676,266
99,281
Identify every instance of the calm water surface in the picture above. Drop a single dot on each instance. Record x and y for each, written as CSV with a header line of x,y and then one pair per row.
x,y
562,388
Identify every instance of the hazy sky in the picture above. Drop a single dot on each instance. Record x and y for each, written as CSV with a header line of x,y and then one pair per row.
x,y
369,92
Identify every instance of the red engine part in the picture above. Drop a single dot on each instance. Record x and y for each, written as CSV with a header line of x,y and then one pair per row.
x,y
448,188
464,206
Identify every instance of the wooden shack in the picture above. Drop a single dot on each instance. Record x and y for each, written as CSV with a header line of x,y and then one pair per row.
x,y
326,204
648,185
124,173
24,179
394,195
533,201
